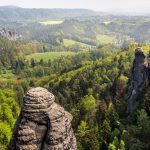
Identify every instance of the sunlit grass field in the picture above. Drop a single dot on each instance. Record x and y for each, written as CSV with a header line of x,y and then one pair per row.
x,y
105,39
51,22
48,55
68,42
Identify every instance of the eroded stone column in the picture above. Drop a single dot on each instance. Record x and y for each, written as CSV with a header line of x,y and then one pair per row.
x,y
138,77
43,124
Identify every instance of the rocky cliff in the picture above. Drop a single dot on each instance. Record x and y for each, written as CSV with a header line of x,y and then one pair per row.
x,y
43,124
140,75
9,34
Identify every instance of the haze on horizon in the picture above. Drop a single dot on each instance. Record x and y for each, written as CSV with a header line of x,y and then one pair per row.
x,y
99,5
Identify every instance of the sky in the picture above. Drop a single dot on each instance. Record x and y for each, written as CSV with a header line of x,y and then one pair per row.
x,y
99,5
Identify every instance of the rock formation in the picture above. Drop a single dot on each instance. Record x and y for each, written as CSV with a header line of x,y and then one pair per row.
x,y
9,34
43,124
140,73
148,68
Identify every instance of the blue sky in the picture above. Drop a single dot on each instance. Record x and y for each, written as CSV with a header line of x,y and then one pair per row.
x,y
101,5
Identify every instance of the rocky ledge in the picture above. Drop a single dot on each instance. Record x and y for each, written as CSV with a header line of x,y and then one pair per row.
x,y
42,124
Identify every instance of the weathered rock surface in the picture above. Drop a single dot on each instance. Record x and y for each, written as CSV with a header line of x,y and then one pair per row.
x,y
9,34
140,73
43,124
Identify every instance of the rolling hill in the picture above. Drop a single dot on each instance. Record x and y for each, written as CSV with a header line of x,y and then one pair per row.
x,y
16,13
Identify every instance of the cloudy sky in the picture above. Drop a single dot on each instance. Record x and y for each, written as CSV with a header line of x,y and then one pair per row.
x,y
100,5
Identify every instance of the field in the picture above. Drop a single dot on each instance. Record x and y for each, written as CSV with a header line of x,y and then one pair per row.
x,y
105,39
48,55
51,22
68,42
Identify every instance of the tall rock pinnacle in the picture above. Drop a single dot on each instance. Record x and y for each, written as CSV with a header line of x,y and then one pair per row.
x,y
43,124
138,77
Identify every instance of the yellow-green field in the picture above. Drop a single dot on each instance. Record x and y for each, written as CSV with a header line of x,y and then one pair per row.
x,y
48,55
105,39
68,42
51,22
107,22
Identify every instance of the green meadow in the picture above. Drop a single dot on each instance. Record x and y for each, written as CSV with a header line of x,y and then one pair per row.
x,y
47,55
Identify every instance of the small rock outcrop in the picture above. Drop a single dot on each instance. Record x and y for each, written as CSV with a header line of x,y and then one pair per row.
x,y
140,73
43,124
10,34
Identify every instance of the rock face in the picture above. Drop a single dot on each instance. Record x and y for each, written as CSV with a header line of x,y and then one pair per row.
x,y
43,124
148,68
9,34
140,73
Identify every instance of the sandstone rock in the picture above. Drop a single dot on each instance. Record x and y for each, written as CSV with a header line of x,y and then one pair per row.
x,y
43,124
138,77
148,68
9,34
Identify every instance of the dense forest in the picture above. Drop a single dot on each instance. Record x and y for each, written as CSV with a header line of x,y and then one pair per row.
x,y
91,85
91,80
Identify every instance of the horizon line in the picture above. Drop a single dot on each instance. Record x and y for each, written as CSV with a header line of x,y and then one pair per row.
x,y
111,10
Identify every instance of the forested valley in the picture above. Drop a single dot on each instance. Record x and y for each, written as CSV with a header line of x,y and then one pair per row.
x,y
89,74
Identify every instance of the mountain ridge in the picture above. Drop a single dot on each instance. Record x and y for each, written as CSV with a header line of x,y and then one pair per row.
x,y
15,13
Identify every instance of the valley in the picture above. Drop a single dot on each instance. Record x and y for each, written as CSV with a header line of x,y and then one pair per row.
x,y
90,62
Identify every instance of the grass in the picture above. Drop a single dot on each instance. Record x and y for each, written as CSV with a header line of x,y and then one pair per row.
x,y
105,39
48,55
107,22
68,42
51,22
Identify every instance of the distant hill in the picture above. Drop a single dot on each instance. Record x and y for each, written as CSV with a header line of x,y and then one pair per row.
x,y
80,25
16,13
130,12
